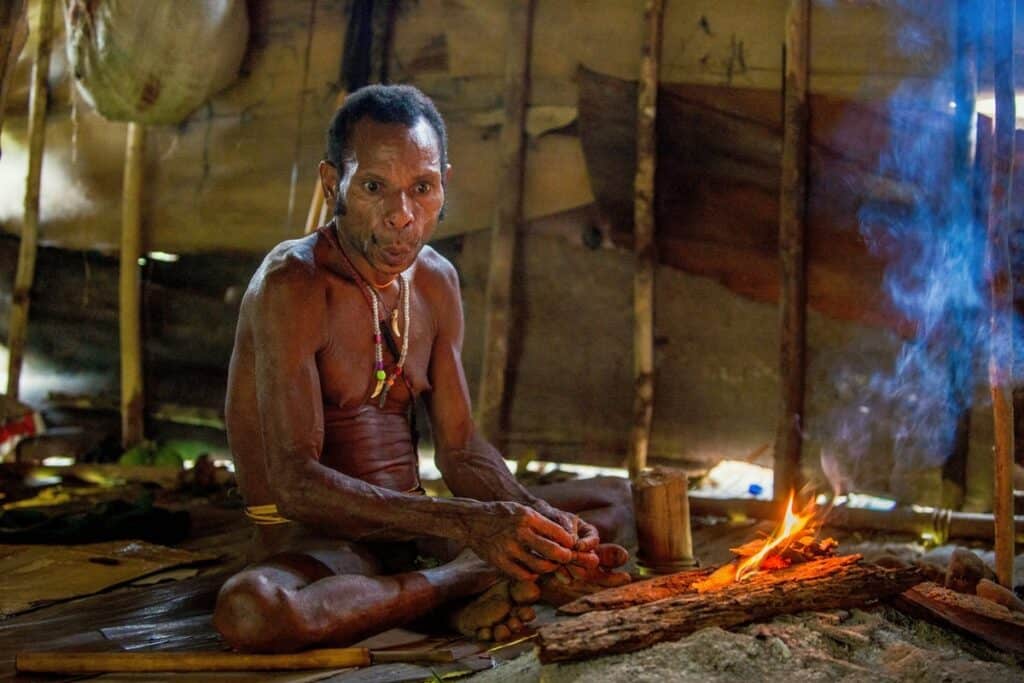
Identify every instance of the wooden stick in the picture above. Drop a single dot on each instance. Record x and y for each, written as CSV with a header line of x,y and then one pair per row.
x,y
504,234
643,238
38,96
1000,369
833,583
792,233
317,205
130,324
662,521
935,522
13,32
149,662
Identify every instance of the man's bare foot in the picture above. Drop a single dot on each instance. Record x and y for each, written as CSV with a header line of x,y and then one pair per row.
x,y
499,613
572,582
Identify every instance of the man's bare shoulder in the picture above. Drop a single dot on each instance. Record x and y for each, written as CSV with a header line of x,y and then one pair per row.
x,y
290,267
436,272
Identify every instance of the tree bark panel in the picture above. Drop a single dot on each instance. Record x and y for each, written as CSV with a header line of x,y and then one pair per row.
x,y
967,614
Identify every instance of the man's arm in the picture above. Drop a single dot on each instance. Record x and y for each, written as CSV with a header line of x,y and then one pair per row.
x,y
471,466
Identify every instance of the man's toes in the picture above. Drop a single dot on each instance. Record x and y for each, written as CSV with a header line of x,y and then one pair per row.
x,y
501,633
525,614
524,592
514,624
484,633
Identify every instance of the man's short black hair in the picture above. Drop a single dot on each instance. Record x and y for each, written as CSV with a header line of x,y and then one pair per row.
x,y
385,104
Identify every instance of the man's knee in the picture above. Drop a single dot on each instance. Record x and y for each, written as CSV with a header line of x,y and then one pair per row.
x,y
256,614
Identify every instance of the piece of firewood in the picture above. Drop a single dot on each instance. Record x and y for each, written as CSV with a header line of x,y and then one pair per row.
x,y
838,582
967,614
637,593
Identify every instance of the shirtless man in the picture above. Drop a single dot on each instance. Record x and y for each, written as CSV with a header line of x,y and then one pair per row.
x,y
319,416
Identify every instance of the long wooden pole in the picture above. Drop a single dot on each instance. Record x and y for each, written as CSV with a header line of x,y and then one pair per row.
x,y
18,330
504,234
792,232
130,312
643,238
1000,369
150,662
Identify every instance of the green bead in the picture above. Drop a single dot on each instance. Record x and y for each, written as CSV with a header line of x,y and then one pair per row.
x,y
381,375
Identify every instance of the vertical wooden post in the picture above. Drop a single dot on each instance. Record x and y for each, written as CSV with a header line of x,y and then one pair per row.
x,y
130,313
792,232
643,238
1000,368
509,215
38,96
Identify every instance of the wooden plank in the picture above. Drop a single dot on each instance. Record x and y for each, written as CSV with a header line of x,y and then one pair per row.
x,y
129,303
792,252
18,329
643,238
1001,351
838,582
497,320
966,614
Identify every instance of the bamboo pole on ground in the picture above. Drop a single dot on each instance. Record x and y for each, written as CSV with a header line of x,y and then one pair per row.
x,y
129,303
643,238
504,233
1000,368
792,232
18,329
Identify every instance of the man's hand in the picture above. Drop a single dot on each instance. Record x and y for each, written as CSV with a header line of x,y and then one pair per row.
x,y
520,541
586,537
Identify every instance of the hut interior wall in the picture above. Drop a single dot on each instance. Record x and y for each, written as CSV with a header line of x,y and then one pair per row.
x,y
234,179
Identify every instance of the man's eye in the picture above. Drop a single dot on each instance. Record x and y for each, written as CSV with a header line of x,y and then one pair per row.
x,y
371,186
423,188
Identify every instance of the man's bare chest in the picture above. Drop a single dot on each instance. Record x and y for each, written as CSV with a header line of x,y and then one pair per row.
x,y
347,361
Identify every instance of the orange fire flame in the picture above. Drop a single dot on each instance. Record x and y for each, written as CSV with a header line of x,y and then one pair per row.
x,y
790,529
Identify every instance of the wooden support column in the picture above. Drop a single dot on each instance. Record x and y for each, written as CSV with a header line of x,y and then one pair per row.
x,y
504,232
1000,368
38,96
130,313
792,257
643,238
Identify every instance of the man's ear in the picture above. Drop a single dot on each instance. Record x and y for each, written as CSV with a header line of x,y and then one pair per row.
x,y
329,179
447,173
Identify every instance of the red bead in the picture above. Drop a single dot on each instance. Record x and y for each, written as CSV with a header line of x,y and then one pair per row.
x,y
376,339
398,371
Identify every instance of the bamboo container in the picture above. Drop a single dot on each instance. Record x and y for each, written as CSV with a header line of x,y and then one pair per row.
x,y
662,521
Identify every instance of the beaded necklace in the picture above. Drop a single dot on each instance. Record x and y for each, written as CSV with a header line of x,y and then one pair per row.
x,y
384,381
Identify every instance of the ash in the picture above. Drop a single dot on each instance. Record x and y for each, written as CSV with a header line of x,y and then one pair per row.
x,y
841,645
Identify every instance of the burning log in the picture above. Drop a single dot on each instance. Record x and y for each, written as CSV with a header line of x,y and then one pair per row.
x,y
969,614
831,583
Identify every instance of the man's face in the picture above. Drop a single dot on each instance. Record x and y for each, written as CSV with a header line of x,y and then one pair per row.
x,y
391,190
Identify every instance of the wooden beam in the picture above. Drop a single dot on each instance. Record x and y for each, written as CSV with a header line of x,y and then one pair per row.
x,y
643,238
792,252
504,233
1000,369
38,96
130,312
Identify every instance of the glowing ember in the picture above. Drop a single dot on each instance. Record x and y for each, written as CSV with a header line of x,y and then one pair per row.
x,y
788,531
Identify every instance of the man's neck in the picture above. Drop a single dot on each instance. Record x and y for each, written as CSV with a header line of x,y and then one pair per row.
x,y
378,280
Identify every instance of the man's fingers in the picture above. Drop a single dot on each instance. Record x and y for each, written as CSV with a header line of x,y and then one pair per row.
x,y
547,549
612,579
509,566
534,563
545,527
611,555
586,560
587,538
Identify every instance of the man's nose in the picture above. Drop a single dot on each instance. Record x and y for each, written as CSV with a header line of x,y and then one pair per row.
x,y
399,211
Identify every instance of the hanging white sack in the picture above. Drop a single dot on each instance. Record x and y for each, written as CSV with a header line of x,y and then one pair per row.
x,y
154,61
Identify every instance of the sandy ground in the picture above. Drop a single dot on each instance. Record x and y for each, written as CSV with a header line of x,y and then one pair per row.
x,y
841,645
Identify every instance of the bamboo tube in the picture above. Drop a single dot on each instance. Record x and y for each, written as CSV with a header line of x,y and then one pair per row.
x,y
938,523
1000,369
18,329
318,208
150,662
130,313
504,233
662,521
792,234
643,238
